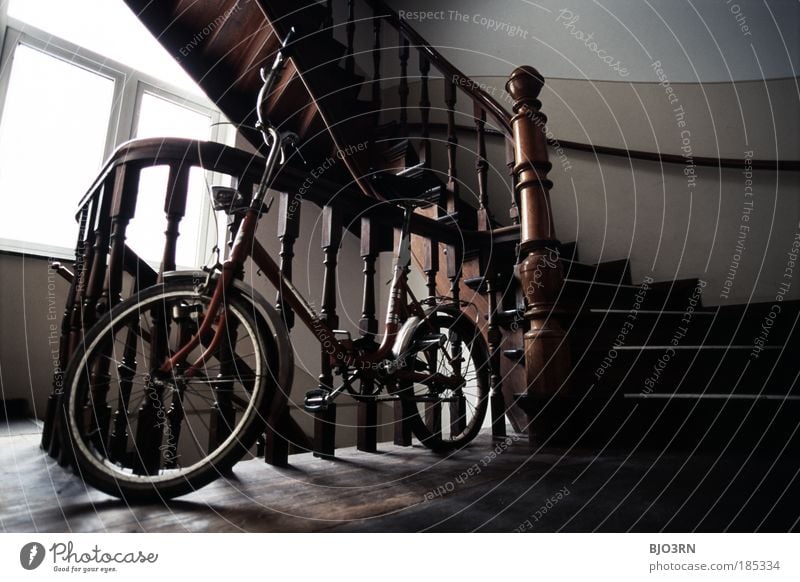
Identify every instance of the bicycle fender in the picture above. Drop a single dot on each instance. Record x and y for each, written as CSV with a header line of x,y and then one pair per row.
x,y
406,333
403,338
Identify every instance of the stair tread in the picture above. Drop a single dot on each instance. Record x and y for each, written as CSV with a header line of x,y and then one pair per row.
x,y
419,186
607,271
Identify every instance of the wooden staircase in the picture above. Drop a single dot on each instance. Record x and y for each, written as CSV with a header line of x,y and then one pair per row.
x,y
653,366
580,353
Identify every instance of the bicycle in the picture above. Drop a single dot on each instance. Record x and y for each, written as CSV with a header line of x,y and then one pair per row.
x,y
172,386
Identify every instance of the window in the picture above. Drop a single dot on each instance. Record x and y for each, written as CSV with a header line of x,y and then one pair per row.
x,y
70,93
52,140
104,27
158,116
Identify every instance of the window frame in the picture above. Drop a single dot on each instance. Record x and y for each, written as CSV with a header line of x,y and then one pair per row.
x,y
129,86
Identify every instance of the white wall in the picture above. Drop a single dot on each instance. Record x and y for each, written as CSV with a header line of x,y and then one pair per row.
x,y
669,226
700,40
31,302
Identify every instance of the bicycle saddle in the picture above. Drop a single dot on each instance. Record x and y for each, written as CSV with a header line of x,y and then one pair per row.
x,y
416,186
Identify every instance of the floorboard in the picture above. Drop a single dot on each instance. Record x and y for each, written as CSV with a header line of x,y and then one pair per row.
x,y
411,489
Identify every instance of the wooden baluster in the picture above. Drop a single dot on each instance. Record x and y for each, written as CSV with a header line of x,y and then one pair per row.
x,y
223,415
450,97
54,399
494,335
149,429
497,404
325,420
97,272
430,265
175,209
368,326
454,253
547,359
126,371
288,231
276,450
458,405
350,61
454,258
425,108
403,86
367,429
77,315
482,167
176,412
513,211
376,64
123,206
402,428
331,239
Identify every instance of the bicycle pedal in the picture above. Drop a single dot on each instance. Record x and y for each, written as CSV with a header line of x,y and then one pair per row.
x,y
315,400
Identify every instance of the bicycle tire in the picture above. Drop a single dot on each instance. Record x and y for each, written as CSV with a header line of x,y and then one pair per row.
x,y
242,395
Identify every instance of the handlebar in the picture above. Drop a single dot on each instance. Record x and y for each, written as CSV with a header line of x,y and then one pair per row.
x,y
269,82
273,139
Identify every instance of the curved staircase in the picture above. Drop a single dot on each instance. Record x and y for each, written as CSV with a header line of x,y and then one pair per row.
x,y
580,353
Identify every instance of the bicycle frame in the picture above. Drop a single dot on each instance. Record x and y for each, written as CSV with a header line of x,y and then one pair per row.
x,y
245,245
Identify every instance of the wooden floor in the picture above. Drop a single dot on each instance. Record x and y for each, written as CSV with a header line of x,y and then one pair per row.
x,y
412,489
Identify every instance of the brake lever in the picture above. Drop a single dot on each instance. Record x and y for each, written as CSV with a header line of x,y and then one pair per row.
x,y
290,139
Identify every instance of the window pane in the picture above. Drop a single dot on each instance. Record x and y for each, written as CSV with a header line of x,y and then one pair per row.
x,y
52,140
162,118
107,27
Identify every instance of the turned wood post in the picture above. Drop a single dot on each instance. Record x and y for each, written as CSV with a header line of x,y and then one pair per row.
x,y
546,350
276,441
325,420
367,414
175,209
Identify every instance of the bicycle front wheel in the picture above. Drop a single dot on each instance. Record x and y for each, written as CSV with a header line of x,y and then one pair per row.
x,y
141,434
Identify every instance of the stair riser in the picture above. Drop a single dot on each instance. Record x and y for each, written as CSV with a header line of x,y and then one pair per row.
x,y
609,272
687,371
705,329
676,424
584,295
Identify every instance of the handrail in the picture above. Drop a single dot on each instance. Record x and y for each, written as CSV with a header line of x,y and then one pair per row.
x,y
788,165
756,164
488,102
217,157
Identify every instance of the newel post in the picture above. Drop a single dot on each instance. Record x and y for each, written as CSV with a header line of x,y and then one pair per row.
x,y
547,358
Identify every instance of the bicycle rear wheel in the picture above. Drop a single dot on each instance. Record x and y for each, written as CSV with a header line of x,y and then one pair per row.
x,y
140,434
446,404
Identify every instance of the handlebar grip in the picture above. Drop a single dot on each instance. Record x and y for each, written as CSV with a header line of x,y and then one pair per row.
x,y
274,73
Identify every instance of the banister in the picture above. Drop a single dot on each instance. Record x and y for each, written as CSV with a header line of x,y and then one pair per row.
x,y
705,161
461,80
229,160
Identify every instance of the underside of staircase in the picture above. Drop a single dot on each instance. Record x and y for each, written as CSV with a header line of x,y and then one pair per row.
x,y
647,362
